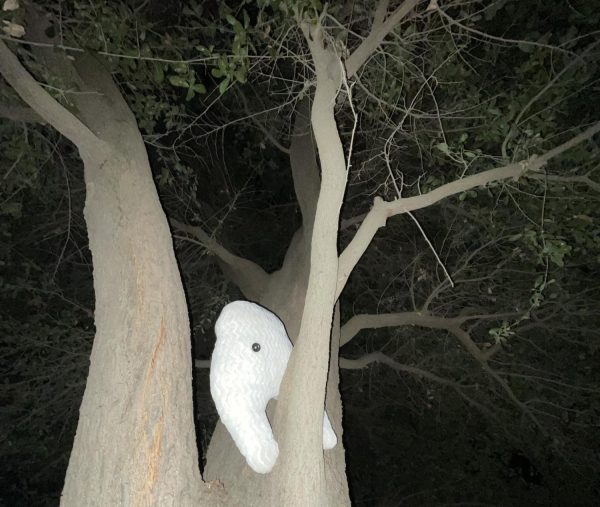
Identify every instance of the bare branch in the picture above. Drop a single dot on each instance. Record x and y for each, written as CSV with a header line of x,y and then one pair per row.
x,y
18,113
513,128
375,219
382,210
380,357
465,339
43,104
367,321
247,275
503,39
380,29
452,325
268,134
305,170
583,179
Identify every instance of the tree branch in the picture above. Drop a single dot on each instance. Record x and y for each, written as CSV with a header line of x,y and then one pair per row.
x,y
43,104
382,210
305,170
584,179
380,29
349,258
202,364
465,339
380,357
299,413
19,113
268,134
451,325
247,275
376,321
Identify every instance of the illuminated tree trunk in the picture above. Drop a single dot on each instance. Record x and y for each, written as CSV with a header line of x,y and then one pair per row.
x,y
135,441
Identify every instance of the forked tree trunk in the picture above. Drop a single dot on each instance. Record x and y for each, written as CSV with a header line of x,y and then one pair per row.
x,y
284,293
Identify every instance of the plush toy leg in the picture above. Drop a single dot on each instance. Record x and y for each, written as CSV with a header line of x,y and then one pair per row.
x,y
253,436
329,437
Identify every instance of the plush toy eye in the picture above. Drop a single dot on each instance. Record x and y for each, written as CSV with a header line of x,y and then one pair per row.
x,y
256,347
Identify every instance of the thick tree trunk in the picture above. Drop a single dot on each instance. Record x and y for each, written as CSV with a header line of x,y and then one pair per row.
x,y
135,441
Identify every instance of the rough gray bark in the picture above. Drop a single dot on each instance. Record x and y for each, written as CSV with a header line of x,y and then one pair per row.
x,y
302,394
135,442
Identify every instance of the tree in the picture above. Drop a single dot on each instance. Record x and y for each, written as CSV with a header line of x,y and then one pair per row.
x,y
150,366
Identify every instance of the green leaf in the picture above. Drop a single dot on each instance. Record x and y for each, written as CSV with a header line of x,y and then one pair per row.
x,y
158,73
239,30
526,48
240,75
179,81
443,147
180,67
223,86
199,88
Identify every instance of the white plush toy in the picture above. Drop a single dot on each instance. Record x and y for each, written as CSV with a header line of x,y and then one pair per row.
x,y
248,363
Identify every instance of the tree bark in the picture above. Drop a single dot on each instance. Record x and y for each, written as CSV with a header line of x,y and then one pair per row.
x,y
300,472
135,441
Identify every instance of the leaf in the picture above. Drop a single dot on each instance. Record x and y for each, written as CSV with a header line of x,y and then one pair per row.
x,y
526,48
240,75
13,29
199,88
178,81
11,208
443,147
180,67
158,73
239,30
10,5
223,86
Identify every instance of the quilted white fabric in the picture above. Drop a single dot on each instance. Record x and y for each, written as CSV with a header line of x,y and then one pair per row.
x,y
248,363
